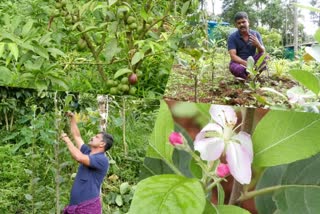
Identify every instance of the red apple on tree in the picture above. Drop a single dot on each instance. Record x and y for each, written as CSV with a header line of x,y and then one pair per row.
x,y
133,78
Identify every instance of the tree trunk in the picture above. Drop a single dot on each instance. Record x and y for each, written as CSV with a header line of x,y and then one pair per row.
x,y
56,153
295,29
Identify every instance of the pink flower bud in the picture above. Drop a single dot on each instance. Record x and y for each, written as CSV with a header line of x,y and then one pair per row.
x,y
176,138
223,170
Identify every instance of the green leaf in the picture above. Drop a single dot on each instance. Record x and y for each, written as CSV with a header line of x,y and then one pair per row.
x,y
184,110
297,200
209,208
153,166
317,35
59,82
27,27
168,194
119,200
124,188
271,177
56,52
159,146
308,7
41,51
137,57
88,29
250,65
220,194
302,174
307,79
224,209
196,54
195,169
121,72
282,132
112,49
5,76
85,8
185,8
14,50
204,116
40,85
272,90
182,159
2,46
28,197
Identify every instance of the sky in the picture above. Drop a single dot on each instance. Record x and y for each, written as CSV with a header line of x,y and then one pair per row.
x,y
310,28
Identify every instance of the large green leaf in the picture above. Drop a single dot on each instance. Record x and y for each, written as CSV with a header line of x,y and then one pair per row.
x,y
271,177
185,7
283,137
294,179
317,35
111,50
121,72
159,146
27,27
168,194
297,200
153,166
2,46
182,159
13,47
137,57
224,209
307,79
5,76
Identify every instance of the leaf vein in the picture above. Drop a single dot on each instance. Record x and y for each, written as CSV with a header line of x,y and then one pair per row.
x,y
284,139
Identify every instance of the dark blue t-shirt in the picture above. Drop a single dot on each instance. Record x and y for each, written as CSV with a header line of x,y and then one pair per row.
x,y
87,183
244,49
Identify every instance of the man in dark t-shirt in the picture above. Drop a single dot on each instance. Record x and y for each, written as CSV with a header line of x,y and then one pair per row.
x,y
242,44
94,164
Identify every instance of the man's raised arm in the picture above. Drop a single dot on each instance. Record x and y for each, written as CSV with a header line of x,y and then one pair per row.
x,y
75,130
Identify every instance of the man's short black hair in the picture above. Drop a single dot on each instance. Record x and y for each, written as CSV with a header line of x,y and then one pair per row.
x,y
108,139
240,15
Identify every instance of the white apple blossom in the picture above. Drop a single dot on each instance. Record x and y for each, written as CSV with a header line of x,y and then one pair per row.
x,y
223,140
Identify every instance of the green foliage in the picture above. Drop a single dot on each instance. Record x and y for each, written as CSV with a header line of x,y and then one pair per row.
x,y
162,129
78,46
37,170
290,133
298,187
307,79
176,194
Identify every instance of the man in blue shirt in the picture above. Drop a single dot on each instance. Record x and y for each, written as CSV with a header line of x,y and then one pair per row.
x,y
242,44
94,164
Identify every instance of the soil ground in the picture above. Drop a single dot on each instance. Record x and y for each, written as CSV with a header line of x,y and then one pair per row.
x,y
221,87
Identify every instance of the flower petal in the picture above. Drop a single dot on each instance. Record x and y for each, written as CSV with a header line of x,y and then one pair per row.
x,y
223,115
210,148
245,140
212,127
239,162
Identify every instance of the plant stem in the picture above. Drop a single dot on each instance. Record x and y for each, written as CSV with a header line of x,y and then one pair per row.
x,y
248,195
196,88
214,184
32,160
124,126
